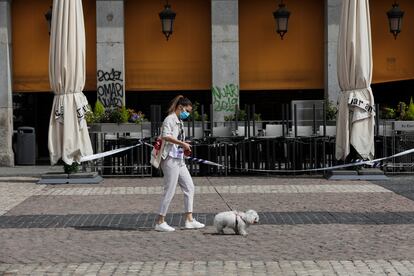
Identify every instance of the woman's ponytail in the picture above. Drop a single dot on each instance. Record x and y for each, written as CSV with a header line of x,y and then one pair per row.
x,y
178,100
174,103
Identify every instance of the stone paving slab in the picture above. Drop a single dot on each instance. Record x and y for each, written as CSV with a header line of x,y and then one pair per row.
x,y
401,185
28,171
264,243
224,189
301,233
12,194
7,179
210,203
217,181
145,220
278,268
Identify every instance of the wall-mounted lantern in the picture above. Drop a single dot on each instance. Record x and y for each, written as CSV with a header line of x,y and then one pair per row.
x,y
281,16
167,17
395,15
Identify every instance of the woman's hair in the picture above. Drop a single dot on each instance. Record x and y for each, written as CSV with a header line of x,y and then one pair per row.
x,y
179,100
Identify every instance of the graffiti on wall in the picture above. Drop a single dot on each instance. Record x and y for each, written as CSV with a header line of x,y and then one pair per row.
x,y
225,98
110,88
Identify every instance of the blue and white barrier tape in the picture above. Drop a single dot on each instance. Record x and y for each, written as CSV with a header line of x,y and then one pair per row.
x,y
374,163
107,153
198,160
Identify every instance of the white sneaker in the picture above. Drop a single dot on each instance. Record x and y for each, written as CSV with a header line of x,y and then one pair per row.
x,y
193,224
164,227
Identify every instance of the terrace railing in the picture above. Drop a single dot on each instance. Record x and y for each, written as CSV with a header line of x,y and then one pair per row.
x,y
248,147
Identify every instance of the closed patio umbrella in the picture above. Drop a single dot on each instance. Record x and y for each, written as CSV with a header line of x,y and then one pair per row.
x,y
68,133
355,120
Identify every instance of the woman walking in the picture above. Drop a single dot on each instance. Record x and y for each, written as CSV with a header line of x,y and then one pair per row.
x,y
173,165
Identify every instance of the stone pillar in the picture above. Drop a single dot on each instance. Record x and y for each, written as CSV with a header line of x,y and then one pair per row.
x,y
6,104
110,52
225,57
332,18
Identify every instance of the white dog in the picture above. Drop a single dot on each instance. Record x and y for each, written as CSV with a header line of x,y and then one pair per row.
x,y
238,221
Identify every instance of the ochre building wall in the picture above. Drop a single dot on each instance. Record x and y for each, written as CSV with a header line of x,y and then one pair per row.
x,y
183,62
31,45
269,63
393,59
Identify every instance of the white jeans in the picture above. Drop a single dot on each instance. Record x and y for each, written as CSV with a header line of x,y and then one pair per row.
x,y
175,171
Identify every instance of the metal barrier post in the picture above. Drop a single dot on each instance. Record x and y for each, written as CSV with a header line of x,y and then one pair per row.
x,y
226,163
314,120
155,111
295,120
288,119
254,121
377,116
236,118
324,144
202,121
324,118
211,120
189,127
248,120
283,121
192,123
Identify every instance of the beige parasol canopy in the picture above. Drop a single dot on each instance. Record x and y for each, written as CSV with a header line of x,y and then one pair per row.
x,y
355,122
68,133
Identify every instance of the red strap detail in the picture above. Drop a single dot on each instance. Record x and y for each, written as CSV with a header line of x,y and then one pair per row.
x,y
157,145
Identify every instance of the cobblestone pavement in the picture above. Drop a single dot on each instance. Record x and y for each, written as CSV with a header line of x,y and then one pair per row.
x,y
308,226
11,194
227,189
118,204
219,181
282,268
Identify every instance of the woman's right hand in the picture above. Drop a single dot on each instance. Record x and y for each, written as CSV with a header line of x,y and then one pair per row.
x,y
186,146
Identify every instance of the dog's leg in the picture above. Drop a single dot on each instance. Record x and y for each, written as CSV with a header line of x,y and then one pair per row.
x,y
242,230
219,227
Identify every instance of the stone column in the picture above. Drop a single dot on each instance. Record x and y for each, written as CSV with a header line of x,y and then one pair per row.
x,y
225,57
6,104
332,18
110,52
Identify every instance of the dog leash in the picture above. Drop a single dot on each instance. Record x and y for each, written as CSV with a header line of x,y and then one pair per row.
x,y
208,163
211,184
236,228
